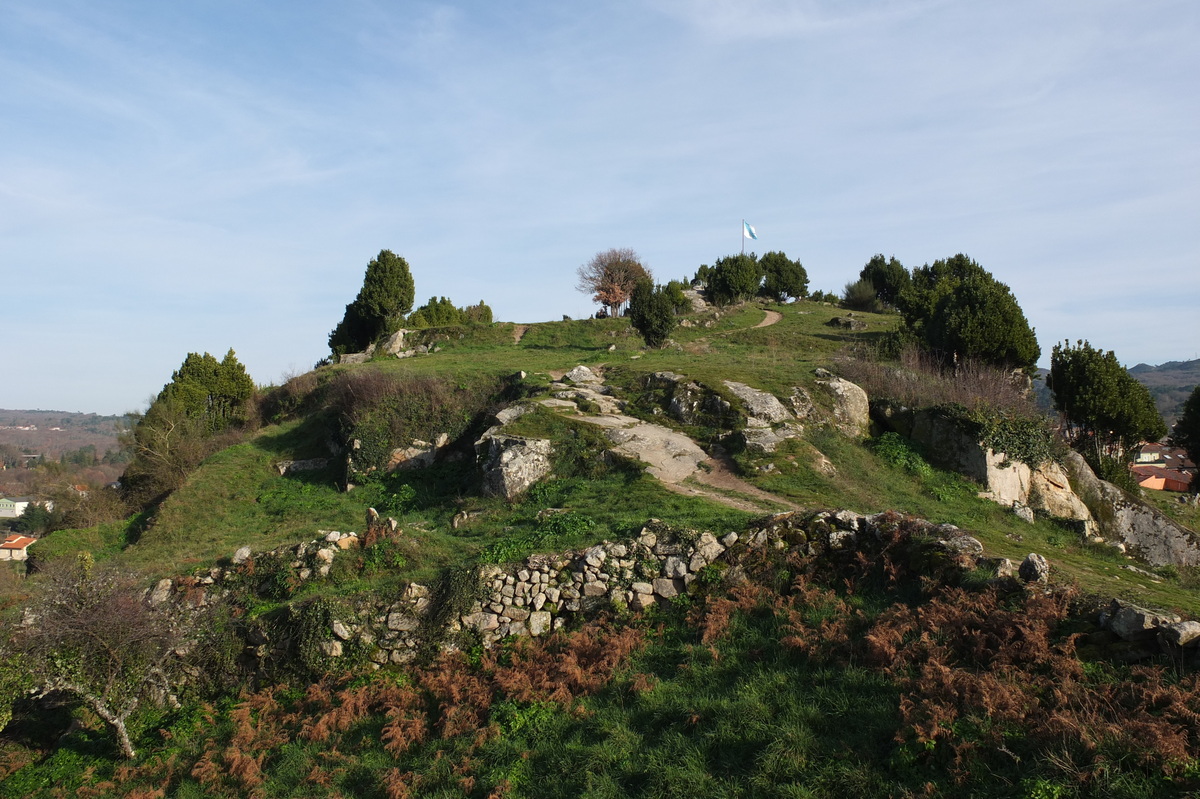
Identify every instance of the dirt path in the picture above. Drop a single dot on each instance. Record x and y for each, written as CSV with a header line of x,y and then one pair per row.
x,y
772,318
720,475
519,333
682,467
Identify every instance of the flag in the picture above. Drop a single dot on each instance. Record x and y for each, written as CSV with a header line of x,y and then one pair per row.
x,y
748,231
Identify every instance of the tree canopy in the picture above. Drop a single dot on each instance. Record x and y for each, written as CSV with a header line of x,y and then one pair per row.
x,y
783,277
441,312
734,278
204,398
1187,430
959,311
652,312
887,276
611,276
383,301
1107,411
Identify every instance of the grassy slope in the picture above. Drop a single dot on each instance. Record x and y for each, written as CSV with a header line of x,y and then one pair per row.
x,y
745,716
237,498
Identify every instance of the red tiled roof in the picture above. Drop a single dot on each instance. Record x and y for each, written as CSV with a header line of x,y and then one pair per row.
x,y
17,542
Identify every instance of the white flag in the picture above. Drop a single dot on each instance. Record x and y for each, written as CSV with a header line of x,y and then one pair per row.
x,y
748,231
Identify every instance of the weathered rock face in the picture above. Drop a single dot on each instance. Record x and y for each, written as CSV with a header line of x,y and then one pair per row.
x,y
688,401
1121,517
395,342
1007,482
762,409
511,464
582,374
851,410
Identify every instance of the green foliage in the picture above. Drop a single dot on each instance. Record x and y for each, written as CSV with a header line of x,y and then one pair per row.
x,y
782,277
734,278
888,277
1187,430
382,302
898,451
383,556
958,310
383,411
205,397
652,313
441,312
860,296
1106,409
1028,438
679,301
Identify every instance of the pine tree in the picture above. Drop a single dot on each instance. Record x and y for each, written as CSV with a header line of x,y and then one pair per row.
x,y
383,301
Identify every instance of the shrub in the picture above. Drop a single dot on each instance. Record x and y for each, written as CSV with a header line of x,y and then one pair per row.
x,y
860,296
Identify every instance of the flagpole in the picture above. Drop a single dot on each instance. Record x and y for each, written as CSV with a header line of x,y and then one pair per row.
x,y
743,237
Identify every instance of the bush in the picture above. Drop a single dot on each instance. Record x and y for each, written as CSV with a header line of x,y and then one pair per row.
x,y
734,278
652,313
860,296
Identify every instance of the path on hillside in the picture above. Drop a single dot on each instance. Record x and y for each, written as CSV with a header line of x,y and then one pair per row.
x,y
772,318
519,333
671,457
682,466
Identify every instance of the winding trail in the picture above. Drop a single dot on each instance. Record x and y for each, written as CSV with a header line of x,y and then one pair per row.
x,y
772,318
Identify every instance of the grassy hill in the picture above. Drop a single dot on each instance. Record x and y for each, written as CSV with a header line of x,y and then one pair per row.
x,y
786,685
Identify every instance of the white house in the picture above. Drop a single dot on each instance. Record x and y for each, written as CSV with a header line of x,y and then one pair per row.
x,y
14,546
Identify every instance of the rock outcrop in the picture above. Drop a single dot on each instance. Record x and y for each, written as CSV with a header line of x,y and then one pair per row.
x,y
511,464
851,409
1121,517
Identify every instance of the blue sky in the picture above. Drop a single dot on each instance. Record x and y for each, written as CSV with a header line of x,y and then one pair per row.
x,y
190,177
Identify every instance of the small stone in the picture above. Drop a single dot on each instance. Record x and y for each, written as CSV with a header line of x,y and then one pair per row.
x,y
667,588
1182,633
331,649
161,592
539,622
340,629
1034,569
595,589
241,556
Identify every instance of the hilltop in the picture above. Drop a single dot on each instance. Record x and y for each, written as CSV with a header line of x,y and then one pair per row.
x,y
750,579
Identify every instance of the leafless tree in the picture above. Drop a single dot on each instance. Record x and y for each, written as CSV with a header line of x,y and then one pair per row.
x,y
92,634
611,276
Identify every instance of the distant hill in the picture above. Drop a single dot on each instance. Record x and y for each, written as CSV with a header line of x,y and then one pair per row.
x,y
1169,383
51,433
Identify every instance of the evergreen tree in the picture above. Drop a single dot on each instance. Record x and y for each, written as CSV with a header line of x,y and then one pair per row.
x,y
959,311
888,276
734,278
1107,411
383,301
1187,429
652,313
783,277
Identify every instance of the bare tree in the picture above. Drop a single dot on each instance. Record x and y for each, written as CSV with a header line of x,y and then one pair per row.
x,y
93,635
611,276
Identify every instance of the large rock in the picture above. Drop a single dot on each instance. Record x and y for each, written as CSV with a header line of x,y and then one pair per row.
x,y
511,464
1046,489
690,402
1122,517
851,410
582,374
762,409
